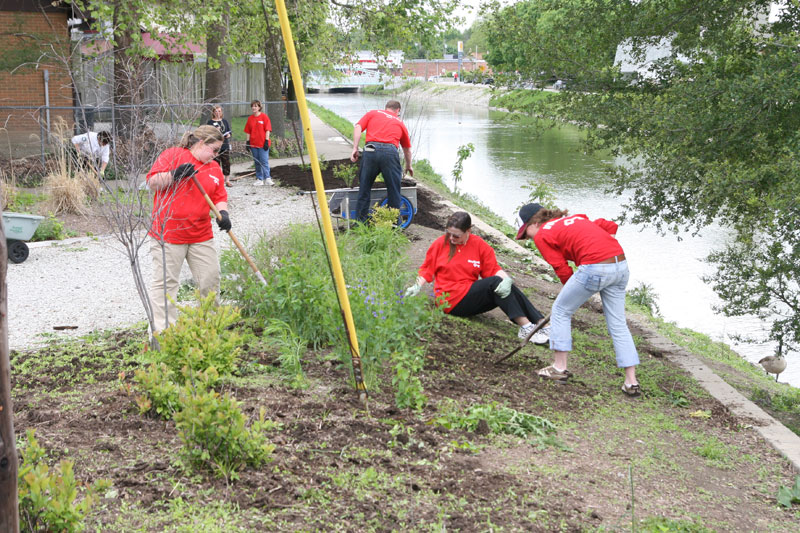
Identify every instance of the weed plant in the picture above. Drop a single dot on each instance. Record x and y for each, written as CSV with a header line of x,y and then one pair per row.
x,y
51,229
499,418
301,293
346,173
49,500
290,351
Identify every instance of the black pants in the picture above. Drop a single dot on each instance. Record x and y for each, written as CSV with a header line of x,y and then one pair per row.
x,y
224,160
481,298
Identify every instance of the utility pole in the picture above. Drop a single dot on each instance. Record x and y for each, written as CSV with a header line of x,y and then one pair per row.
x,y
9,511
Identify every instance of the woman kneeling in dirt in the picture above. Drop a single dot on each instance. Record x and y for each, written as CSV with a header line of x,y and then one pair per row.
x,y
464,270
602,268
181,227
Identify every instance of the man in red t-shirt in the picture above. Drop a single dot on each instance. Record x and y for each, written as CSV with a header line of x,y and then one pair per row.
x,y
385,132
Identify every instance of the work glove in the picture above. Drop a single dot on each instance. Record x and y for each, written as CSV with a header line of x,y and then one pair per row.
x,y
412,291
503,288
184,171
224,221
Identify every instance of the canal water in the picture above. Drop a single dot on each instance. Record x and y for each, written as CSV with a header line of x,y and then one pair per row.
x,y
508,156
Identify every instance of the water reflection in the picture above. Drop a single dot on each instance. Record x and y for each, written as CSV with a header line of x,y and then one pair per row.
x,y
507,156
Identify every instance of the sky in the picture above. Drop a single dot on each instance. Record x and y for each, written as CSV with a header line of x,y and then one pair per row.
x,y
469,11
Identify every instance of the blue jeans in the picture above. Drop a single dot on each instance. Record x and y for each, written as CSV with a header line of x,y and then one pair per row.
x,y
610,280
385,160
261,157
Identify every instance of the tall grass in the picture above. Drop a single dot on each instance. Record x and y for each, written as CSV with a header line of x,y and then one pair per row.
x,y
300,293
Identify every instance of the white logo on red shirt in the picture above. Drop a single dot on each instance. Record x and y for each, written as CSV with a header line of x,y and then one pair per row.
x,y
216,179
474,262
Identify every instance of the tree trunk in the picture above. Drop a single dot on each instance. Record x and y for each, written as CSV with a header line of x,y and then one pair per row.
x,y
9,511
126,84
218,80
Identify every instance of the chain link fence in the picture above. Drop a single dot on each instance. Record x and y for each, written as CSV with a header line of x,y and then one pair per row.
x,y
145,129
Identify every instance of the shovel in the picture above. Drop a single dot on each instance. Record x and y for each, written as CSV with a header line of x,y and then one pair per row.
x,y
542,323
230,233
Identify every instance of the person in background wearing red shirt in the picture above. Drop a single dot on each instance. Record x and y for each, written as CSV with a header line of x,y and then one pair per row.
x,y
602,268
466,275
257,129
385,131
181,227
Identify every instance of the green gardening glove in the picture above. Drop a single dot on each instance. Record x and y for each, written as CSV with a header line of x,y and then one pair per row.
x,y
504,287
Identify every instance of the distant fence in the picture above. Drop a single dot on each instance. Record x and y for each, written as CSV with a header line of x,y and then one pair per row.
x,y
32,130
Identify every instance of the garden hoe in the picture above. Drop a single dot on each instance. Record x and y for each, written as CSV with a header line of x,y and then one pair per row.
x,y
230,233
542,323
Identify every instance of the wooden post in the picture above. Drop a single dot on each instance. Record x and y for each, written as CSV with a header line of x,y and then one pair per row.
x,y
9,512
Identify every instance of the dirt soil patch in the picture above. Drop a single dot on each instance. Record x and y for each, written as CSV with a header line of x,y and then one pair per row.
x,y
339,467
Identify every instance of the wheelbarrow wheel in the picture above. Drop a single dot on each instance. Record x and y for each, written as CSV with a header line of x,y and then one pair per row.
x,y
406,211
17,251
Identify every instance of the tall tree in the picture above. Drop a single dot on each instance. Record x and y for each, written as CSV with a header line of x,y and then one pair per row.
x,y
9,516
709,133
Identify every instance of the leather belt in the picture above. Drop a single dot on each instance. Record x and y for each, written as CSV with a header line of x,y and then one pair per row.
x,y
615,259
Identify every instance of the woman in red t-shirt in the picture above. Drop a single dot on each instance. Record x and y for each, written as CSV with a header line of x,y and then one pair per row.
x,y
257,129
468,281
181,228
602,268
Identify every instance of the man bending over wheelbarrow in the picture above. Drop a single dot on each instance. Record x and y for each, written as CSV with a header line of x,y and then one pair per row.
x,y
385,132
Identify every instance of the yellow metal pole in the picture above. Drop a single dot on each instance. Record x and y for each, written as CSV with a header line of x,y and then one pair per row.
x,y
338,275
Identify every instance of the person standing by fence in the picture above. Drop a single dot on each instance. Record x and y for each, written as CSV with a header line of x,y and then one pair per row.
x,y
258,128
224,156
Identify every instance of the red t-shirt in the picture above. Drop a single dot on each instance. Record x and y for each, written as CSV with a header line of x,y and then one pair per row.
x,y
257,127
471,261
384,126
576,238
181,213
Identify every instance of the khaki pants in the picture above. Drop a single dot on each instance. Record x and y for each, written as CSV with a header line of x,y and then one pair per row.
x,y
204,264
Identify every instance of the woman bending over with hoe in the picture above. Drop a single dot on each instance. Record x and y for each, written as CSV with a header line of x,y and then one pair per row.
x,y
181,227
464,271
602,268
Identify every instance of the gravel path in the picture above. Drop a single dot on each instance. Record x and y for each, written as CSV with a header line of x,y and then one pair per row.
x,y
87,282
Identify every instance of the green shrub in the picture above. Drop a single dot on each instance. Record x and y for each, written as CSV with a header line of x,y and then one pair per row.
x,y
346,173
201,339
644,296
215,435
408,387
385,217
51,229
301,293
48,501
160,396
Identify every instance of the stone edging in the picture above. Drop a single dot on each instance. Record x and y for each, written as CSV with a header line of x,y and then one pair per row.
x,y
778,435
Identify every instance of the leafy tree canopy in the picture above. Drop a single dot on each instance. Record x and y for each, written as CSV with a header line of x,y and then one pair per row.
x,y
710,132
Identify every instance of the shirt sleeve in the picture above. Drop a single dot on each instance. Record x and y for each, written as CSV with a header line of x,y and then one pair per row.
x,y
489,266
267,123
428,268
247,126
608,225
555,258
227,128
364,121
165,162
105,153
79,139
405,140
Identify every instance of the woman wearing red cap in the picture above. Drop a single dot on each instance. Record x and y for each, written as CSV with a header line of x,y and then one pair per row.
x,y
465,273
602,268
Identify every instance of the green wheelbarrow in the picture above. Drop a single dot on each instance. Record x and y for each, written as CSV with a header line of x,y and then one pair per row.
x,y
19,228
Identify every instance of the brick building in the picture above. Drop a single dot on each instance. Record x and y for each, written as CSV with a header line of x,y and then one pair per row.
x,y
34,48
428,68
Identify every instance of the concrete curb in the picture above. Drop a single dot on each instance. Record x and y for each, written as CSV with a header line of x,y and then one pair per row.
x,y
779,436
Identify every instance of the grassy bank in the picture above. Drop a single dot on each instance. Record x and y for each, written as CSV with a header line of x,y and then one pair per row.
x,y
780,400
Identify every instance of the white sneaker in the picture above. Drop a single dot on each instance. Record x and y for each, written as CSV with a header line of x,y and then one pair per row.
x,y
269,181
258,183
541,337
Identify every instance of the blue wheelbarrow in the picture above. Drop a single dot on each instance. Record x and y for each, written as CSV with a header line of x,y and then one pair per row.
x,y
342,203
18,229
